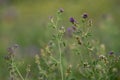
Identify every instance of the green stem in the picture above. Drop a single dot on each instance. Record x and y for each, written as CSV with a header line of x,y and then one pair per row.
x,y
19,72
12,60
61,67
14,66
54,59
26,76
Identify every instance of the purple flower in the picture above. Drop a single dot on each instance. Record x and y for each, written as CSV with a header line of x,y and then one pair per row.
x,y
111,52
69,32
85,15
69,29
72,20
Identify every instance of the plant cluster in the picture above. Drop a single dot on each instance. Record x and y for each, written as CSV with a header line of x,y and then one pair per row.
x,y
71,54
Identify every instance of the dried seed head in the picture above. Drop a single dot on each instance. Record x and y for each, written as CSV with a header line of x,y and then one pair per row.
x,y
85,15
15,46
86,65
48,50
78,40
61,10
102,57
62,30
7,57
68,70
74,28
90,22
111,52
11,50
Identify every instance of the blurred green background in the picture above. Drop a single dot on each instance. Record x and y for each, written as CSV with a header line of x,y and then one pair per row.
x,y
25,22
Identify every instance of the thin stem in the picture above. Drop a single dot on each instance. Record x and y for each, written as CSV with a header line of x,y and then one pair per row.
x,y
54,59
26,76
27,72
61,67
59,47
12,60
19,72
14,66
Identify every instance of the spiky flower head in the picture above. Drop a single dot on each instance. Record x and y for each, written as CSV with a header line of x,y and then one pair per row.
x,y
85,15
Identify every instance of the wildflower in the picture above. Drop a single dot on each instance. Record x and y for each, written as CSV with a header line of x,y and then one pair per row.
x,y
111,52
69,32
61,10
85,15
11,49
72,20
102,57
69,29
